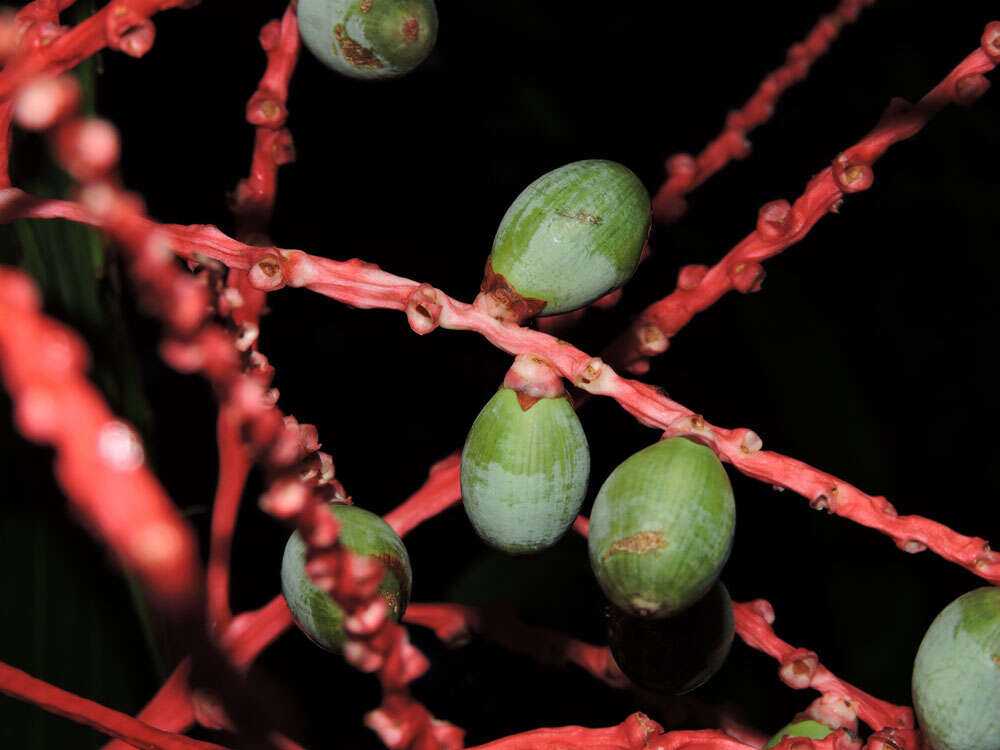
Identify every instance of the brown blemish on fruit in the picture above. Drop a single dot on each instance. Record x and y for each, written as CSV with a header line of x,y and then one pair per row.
x,y
583,218
525,401
354,53
638,544
519,307
365,5
398,569
411,30
996,659
391,600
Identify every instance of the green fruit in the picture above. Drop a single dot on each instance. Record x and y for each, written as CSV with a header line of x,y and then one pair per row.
x,y
364,533
808,728
676,654
662,528
524,472
369,38
570,237
956,675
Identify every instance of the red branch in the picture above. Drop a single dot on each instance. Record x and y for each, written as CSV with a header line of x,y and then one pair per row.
x,y
452,623
685,173
801,669
253,202
100,460
780,225
440,492
17,684
51,49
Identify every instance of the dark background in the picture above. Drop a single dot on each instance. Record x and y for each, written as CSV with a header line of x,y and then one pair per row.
x,y
866,354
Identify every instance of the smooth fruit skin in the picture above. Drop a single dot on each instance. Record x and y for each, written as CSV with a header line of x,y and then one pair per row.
x,y
956,675
662,527
524,473
808,728
674,655
573,234
364,533
369,39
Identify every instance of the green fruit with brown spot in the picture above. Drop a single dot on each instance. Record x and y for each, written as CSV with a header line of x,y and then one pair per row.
x,y
661,528
363,533
369,39
956,675
571,236
524,472
808,728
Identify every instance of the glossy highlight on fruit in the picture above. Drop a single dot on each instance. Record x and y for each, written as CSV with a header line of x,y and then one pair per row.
x,y
364,533
524,471
369,38
571,236
808,728
661,528
956,675
674,655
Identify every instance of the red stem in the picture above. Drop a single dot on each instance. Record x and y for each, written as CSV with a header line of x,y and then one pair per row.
x,y
18,684
685,173
780,225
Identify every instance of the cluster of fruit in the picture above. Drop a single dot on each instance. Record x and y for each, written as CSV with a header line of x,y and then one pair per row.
x,y
662,524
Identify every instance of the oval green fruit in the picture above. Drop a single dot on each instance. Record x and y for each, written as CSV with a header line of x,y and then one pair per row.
x,y
808,728
661,528
524,472
956,675
369,38
570,237
674,655
364,533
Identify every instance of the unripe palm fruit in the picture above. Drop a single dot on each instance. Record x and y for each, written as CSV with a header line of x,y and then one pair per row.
x,y
808,728
369,38
363,533
661,528
524,470
674,655
570,237
956,675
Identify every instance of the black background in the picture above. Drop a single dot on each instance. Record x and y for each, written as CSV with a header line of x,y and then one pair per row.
x,y
866,354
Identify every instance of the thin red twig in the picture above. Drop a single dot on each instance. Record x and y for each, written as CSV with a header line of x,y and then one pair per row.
x,y
100,460
18,684
685,173
780,225
253,203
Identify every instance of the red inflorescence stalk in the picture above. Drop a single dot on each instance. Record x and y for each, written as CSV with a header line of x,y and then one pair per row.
x,y
49,49
780,225
17,684
685,172
801,669
100,460
453,623
253,202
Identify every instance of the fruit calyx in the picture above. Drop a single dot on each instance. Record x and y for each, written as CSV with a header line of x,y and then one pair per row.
x,y
498,299
532,378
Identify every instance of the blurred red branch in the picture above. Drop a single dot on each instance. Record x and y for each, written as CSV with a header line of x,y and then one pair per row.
x,y
17,684
100,460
